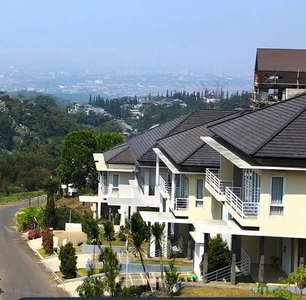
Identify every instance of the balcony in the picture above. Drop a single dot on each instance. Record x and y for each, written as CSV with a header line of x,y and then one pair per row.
x,y
165,187
243,208
215,185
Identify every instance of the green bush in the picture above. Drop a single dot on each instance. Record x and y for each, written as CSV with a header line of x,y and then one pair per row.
x,y
117,219
219,255
134,291
121,234
30,218
63,215
68,260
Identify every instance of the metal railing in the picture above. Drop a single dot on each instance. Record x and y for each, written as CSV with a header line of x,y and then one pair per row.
x,y
212,178
243,209
242,267
165,186
181,204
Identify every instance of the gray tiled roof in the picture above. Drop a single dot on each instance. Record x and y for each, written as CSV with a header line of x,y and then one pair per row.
x,y
204,156
114,151
200,117
143,143
186,147
275,131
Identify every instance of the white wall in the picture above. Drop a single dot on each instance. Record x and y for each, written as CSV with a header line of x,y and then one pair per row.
x,y
198,252
286,255
125,189
73,227
226,237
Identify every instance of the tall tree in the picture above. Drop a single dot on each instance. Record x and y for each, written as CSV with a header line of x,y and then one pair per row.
x,y
76,161
106,141
108,231
52,189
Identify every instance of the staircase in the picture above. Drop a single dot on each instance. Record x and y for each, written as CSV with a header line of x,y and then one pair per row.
x,y
243,268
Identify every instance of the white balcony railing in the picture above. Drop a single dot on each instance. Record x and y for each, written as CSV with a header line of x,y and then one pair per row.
x,y
181,204
165,186
243,209
212,178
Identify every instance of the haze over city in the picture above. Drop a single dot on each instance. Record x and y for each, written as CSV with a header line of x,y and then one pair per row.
x,y
128,35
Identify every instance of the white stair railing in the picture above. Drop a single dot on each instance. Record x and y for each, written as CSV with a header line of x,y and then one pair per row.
x,y
243,267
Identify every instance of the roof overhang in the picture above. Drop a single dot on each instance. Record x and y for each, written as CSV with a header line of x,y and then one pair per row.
x,y
101,165
166,161
162,217
241,163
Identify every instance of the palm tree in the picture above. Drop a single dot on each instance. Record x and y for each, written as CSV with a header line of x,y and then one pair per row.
x,y
158,231
91,227
108,231
138,234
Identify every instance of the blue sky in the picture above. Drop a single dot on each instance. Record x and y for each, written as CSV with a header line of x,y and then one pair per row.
x,y
132,34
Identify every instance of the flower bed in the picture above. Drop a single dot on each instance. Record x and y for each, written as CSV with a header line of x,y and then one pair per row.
x,y
33,234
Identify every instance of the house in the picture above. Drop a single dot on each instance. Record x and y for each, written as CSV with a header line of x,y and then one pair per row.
x,y
261,184
161,174
279,74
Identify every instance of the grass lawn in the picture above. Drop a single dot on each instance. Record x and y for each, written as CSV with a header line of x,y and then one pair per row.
x,y
15,197
194,291
82,272
119,243
165,262
42,253
215,292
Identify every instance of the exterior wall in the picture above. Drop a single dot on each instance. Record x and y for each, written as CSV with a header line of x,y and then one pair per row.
x,y
293,221
125,190
226,169
250,244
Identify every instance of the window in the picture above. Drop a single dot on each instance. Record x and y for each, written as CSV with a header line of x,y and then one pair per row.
x,y
199,193
115,183
277,196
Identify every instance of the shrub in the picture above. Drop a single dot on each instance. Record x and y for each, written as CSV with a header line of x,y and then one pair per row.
x,y
34,234
47,241
117,219
134,291
219,255
68,260
29,218
121,234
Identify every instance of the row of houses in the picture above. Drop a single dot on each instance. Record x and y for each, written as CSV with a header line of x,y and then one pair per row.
x,y
241,174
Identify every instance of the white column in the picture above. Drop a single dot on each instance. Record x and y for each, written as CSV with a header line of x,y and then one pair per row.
x,y
99,210
172,190
157,170
99,184
146,182
161,204
198,253
165,241
122,212
152,246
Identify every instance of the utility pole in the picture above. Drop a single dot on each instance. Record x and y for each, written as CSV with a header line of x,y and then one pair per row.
x,y
69,225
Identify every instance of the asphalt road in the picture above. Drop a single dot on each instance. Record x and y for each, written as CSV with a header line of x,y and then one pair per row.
x,y
21,274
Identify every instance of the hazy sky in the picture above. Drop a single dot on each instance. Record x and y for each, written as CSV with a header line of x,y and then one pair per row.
x,y
168,34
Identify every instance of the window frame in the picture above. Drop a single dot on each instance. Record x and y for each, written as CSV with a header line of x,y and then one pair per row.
x,y
115,187
198,200
282,205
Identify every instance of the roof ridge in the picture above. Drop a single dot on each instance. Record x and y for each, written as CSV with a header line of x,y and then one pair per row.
x,y
188,156
259,109
272,136
183,120
196,126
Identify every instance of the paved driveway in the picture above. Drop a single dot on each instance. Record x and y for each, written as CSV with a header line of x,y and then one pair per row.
x,y
21,274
